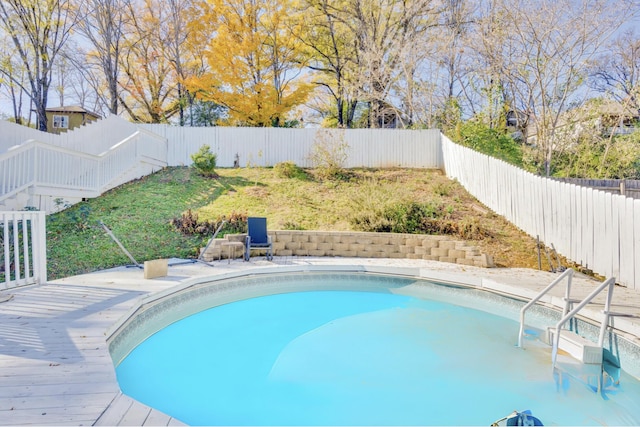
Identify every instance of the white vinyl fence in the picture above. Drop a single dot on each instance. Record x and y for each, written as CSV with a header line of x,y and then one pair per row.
x,y
23,260
268,146
598,230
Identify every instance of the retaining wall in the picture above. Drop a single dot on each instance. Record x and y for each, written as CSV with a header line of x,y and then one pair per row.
x,y
361,245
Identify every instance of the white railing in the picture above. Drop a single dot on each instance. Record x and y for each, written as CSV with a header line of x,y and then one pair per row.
x,y
23,260
607,284
568,274
36,164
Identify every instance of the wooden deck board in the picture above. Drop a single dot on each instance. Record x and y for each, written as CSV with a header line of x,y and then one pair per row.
x,y
157,418
113,415
136,415
35,390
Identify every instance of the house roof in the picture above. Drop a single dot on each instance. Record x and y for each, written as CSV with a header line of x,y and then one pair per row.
x,y
72,109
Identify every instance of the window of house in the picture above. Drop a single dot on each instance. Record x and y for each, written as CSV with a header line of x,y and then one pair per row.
x,y
61,122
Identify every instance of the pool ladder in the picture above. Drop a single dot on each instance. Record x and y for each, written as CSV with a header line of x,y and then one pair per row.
x,y
578,347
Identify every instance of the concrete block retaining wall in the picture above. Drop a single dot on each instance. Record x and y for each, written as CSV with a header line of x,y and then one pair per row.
x,y
361,245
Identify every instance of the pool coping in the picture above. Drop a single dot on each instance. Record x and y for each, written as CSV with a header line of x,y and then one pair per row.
x,y
35,372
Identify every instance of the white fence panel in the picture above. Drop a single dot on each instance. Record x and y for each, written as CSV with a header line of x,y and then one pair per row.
x,y
12,134
618,210
627,232
587,233
269,146
23,260
97,137
575,224
600,263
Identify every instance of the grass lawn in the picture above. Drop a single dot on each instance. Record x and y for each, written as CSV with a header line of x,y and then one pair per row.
x,y
140,213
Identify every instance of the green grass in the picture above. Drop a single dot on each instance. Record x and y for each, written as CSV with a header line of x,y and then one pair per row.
x,y
140,213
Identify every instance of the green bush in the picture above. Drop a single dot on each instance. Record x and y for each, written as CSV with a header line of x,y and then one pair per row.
x,y
597,157
289,170
417,218
204,161
404,217
477,135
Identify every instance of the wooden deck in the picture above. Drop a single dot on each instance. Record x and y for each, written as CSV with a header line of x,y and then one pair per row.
x,y
55,368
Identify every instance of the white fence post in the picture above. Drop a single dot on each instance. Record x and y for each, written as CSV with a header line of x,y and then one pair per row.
x,y
23,259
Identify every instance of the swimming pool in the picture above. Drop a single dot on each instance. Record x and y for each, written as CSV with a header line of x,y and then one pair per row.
x,y
352,349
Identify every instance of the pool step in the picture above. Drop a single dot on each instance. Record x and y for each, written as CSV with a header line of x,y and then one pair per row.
x,y
578,347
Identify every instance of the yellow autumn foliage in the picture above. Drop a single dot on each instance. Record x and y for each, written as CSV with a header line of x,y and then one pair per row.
x,y
253,61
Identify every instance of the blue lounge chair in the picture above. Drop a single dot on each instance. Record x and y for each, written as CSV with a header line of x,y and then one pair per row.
x,y
257,237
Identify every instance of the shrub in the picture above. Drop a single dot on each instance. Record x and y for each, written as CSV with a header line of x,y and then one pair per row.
x,y
292,225
329,154
289,170
204,161
417,218
443,189
465,229
74,216
404,217
189,224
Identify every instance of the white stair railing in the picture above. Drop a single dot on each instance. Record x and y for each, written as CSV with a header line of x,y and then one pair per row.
x,y
609,283
38,164
568,274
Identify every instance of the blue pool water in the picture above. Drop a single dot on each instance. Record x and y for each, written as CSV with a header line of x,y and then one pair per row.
x,y
357,358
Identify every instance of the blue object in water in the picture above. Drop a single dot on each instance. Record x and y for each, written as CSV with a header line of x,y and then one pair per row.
x,y
523,418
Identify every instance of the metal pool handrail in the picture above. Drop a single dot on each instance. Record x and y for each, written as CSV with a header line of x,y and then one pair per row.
x,y
610,282
569,275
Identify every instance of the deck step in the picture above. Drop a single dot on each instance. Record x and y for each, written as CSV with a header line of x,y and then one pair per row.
x,y
578,347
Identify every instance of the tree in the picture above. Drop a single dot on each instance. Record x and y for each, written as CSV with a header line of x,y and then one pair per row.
x,y
539,51
148,80
447,81
385,33
618,72
330,49
13,81
253,62
103,25
39,29
185,45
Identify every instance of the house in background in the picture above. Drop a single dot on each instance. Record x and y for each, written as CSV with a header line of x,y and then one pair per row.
x,y
61,119
616,118
599,116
